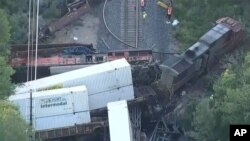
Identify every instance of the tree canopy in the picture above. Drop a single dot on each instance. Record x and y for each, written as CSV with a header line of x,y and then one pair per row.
x,y
12,126
16,12
5,70
5,28
229,105
198,16
5,80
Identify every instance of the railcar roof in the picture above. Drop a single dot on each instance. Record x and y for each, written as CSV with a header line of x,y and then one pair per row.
x,y
196,50
54,92
171,60
234,25
182,65
178,63
211,36
221,28
72,75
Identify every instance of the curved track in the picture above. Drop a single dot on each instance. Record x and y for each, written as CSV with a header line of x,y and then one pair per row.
x,y
130,19
130,23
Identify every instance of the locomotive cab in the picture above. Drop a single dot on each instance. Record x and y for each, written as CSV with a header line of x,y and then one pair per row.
x,y
174,72
177,70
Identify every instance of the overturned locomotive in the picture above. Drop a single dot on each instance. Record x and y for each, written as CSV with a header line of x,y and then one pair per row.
x,y
178,69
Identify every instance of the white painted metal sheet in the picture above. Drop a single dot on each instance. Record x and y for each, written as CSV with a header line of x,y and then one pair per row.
x,y
49,123
100,100
53,102
61,69
23,106
81,102
53,105
119,121
97,78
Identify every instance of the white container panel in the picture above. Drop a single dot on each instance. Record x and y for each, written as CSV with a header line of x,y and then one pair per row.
x,y
53,102
24,108
100,100
115,74
81,102
119,121
123,74
104,81
62,78
48,123
53,105
61,69
98,82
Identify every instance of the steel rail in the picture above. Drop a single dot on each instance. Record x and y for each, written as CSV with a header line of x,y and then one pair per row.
x,y
105,23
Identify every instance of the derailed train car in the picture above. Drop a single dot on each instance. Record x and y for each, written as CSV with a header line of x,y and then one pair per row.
x,y
76,54
116,75
80,9
133,56
197,59
177,70
51,54
68,106
58,113
55,108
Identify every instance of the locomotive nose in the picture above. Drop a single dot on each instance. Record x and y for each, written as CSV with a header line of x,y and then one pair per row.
x,y
166,79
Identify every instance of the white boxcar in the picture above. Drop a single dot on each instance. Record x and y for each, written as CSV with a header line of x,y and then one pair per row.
x,y
61,69
98,78
100,100
55,104
119,121
60,121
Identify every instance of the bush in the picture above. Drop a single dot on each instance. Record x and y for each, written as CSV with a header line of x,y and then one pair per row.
x,y
13,127
198,16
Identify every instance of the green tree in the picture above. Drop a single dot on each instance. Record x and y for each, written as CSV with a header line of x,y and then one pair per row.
x,y
14,6
5,81
12,126
204,122
54,9
5,70
198,16
17,14
19,28
229,105
5,28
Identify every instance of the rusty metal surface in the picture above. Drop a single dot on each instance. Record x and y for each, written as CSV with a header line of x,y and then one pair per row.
x,y
68,18
54,54
234,25
24,47
70,131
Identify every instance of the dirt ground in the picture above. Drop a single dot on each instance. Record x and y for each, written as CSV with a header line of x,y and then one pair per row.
x,y
82,31
157,35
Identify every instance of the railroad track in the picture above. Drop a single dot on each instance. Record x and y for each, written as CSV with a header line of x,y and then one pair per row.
x,y
131,26
135,117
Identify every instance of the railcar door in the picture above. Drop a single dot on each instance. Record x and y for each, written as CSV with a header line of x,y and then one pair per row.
x,y
201,63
